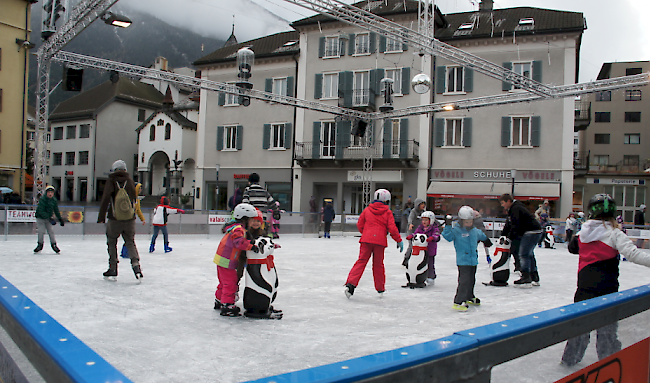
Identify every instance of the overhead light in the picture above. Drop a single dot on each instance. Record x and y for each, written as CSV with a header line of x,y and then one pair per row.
x,y
116,20
449,107
25,44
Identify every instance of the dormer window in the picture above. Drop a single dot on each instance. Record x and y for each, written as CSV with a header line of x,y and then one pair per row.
x,y
466,26
527,21
290,43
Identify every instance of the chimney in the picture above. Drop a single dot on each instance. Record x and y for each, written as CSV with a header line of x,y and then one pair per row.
x,y
486,6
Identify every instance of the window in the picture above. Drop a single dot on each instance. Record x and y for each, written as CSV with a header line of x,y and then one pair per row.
x,y
396,75
602,160
69,158
160,122
361,88
632,139
393,45
394,148
168,131
141,113
453,132
71,132
232,99
328,139
525,69
0,100
362,44
48,138
520,131
58,159
630,160
454,79
83,158
633,95
575,141
31,136
601,138
358,141
633,71
632,116
602,117
58,133
466,26
47,154
152,133
230,138
280,86
330,85
604,95
277,136
84,131
332,47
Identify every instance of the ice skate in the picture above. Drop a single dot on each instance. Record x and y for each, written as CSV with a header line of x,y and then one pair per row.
x,y
111,274
460,307
167,248
381,293
270,314
349,290
230,310
39,247
152,247
474,302
534,276
55,248
525,282
138,273
217,304
125,252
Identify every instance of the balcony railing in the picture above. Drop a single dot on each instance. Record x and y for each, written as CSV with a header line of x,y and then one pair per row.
x,y
624,166
581,162
395,149
360,97
582,117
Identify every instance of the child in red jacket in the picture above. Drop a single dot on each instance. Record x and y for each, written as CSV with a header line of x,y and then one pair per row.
x,y
375,221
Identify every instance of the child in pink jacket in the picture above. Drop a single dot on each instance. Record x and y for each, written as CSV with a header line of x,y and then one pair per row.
x,y
431,228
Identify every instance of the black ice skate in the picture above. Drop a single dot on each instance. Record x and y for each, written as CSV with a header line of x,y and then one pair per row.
x,y
230,310
217,304
349,290
55,248
270,314
525,281
111,274
39,247
138,273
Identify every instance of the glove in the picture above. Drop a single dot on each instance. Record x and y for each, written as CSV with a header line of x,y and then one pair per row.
x,y
400,246
487,243
447,219
276,246
429,239
489,259
409,237
182,211
276,215
255,249
61,222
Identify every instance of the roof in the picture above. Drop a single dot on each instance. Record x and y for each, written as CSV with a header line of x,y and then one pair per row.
x,y
267,46
507,21
174,115
87,104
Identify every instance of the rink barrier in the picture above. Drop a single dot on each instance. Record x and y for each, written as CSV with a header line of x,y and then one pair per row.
x,y
468,356
51,349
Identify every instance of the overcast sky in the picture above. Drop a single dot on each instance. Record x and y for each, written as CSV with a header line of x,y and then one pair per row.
x,y
614,32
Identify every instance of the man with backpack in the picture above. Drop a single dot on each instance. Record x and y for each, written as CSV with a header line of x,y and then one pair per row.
x,y
119,201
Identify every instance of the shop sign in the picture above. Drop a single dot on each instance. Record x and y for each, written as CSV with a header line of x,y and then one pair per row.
x,y
218,219
629,365
240,176
352,219
21,215
490,175
494,225
615,181
377,176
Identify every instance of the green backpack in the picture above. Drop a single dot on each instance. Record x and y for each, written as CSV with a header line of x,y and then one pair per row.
x,y
123,208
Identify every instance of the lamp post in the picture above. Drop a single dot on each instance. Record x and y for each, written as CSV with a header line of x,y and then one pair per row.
x,y
217,167
513,174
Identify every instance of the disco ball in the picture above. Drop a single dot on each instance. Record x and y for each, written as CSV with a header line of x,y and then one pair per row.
x,y
421,83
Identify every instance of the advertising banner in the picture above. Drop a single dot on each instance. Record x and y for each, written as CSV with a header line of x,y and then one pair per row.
x,y
21,215
218,219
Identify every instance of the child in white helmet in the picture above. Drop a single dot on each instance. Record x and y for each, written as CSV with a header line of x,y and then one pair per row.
x,y
431,228
465,238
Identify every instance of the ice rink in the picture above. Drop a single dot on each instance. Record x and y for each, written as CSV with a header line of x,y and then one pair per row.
x,y
165,329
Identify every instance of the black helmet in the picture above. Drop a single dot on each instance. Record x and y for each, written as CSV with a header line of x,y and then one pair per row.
x,y
602,206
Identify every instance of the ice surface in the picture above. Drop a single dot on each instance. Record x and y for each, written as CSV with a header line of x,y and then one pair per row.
x,y
165,329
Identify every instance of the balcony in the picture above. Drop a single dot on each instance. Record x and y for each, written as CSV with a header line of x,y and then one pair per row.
x,y
404,151
582,117
622,167
360,97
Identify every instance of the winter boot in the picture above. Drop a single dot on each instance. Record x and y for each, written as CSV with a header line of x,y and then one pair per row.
x,y
474,302
167,248
138,272
55,248
111,273
152,247
39,247
230,310
217,304
125,252
460,307
525,281
349,290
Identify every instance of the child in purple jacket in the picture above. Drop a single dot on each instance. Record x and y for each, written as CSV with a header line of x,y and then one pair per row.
x,y
431,228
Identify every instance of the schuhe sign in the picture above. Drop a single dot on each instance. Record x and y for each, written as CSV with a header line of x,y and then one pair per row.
x,y
490,175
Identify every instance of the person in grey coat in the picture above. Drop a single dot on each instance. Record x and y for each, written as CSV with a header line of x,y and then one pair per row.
x,y
413,223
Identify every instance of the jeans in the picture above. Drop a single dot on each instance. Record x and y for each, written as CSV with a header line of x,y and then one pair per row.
x,y
526,252
156,229
44,225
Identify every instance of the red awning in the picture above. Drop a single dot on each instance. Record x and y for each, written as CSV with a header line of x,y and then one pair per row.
x,y
493,190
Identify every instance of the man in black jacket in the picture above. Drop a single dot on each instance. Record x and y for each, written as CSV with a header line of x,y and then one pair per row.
x,y
525,232
639,220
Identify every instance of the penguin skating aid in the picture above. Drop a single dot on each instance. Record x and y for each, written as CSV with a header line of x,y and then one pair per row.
x,y
416,270
261,282
500,267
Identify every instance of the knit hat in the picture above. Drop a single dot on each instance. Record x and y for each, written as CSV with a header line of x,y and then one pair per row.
x,y
254,178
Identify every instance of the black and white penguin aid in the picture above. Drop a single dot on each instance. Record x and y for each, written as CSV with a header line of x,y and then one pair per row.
x,y
549,239
500,266
261,281
416,271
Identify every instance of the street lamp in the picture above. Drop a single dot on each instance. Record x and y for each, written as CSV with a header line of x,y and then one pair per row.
x,y
115,20
513,174
218,167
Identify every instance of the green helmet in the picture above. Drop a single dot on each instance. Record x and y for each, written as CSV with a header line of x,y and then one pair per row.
x,y
602,206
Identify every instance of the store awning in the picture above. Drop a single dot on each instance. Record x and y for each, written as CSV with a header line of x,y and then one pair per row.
x,y
493,190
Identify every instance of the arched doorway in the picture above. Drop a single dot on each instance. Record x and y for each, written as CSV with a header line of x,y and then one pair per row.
x,y
159,174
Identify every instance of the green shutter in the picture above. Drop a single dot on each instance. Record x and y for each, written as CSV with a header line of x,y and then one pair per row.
x,y
345,89
221,101
469,79
406,80
405,47
380,74
290,86
342,137
268,85
315,148
382,44
240,136
505,131
373,42
266,138
403,137
505,85
387,134
287,135
467,132
321,47
441,76
537,71
351,45
439,135
341,47
372,88
535,127
318,86
219,137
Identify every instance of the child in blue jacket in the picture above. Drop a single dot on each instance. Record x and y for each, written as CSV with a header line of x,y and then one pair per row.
x,y
465,238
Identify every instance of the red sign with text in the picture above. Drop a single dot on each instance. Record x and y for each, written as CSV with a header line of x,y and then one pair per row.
x,y
629,365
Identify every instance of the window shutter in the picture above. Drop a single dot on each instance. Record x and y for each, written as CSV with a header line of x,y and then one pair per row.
x,y
287,135
266,138
221,101
351,45
469,79
467,132
381,73
441,76
315,145
318,86
342,137
341,47
219,137
535,127
387,134
382,44
240,136
268,85
373,42
403,137
345,89
405,47
290,86
321,47
372,87
505,131
506,85
440,132
537,70
406,80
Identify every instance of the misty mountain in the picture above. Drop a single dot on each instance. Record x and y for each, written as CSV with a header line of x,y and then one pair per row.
x,y
140,44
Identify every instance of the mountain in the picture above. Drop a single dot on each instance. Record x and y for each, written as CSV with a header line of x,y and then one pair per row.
x,y
139,44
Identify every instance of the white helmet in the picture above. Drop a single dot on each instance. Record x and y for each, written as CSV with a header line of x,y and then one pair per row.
x,y
244,210
428,214
382,195
466,212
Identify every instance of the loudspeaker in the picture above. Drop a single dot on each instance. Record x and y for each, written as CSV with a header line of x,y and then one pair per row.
x,y
359,128
72,79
